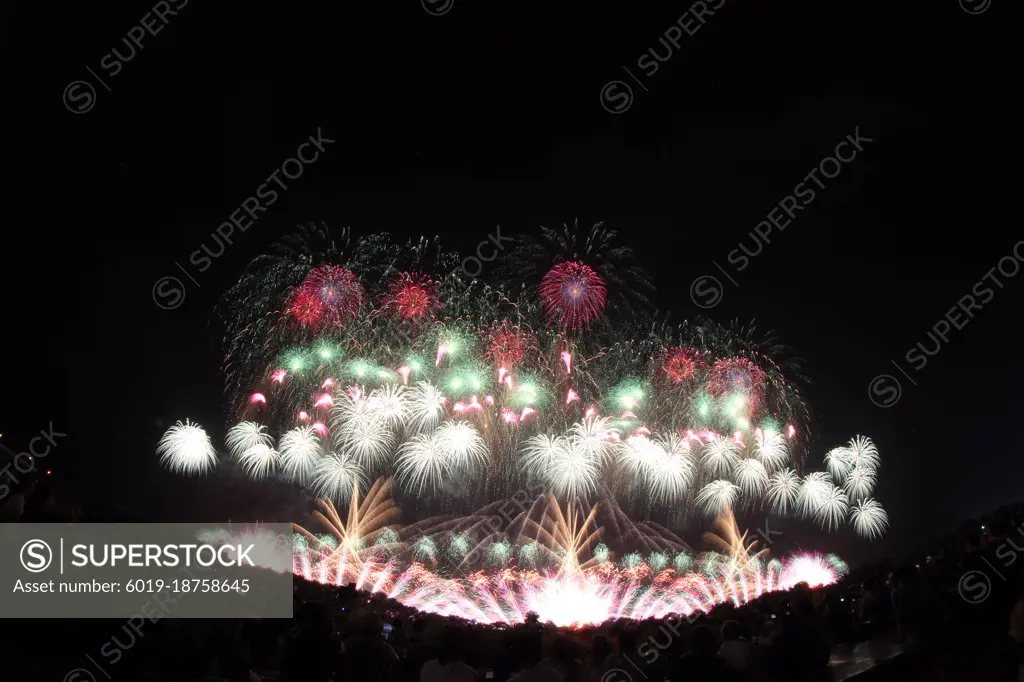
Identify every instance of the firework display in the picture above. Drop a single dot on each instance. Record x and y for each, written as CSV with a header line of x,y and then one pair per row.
x,y
355,360
328,298
185,448
545,561
573,295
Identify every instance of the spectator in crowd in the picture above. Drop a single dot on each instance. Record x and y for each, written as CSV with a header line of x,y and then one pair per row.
x,y
737,650
311,651
450,665
421,648
918,609
800,648
564,659
368,657
529,652
625,646
596,663
702,663
872,609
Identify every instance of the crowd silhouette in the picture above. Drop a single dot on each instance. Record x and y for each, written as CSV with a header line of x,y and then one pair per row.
x,y
951,611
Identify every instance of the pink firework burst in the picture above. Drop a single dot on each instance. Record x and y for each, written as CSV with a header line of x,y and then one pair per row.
x,y
572,294
680,364
506,345
329,297
413,296
737,375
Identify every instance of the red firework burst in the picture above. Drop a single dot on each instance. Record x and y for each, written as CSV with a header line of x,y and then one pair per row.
x,y
572,294
413,296
737,375
329,297
506,345
680,364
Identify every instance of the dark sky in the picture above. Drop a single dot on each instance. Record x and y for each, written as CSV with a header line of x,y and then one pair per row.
x,y
492,114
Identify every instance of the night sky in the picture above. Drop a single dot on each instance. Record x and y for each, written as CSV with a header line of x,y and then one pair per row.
x,y
496,113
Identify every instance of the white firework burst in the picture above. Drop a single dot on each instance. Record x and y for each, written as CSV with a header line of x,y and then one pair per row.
x,y
671,472
869,519
186,449
245,435
717,497
837,461
425,407
832,508
462,444
422,464
258,461
673,444
389,402
783,489
300,451
367,438
349,405
860,483
770,449
751,476
637,456
864,454
813,491
538,452
720,456
573,472
594,436
336,477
